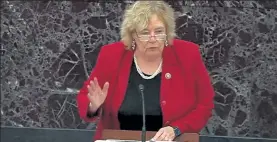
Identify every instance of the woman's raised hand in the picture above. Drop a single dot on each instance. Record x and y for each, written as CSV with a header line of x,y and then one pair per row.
x,y
96,94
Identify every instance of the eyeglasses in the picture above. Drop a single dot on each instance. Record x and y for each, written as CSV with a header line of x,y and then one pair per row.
x,y
156,36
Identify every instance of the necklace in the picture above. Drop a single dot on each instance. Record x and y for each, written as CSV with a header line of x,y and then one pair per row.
x,y
144,76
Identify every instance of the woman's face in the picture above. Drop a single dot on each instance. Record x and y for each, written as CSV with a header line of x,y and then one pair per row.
x,y
151,40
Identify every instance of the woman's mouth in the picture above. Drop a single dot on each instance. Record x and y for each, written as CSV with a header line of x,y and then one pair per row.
x,y
151,47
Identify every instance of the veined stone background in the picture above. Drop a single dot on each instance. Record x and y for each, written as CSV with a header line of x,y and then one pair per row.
x,y
48,49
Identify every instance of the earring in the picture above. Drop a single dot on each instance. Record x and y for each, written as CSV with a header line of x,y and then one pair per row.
x,y
166,43
133,45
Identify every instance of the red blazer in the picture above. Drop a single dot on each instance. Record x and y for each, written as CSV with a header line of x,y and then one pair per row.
x,y
186,97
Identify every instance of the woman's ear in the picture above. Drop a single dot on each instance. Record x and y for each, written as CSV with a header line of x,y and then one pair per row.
x,y
134,36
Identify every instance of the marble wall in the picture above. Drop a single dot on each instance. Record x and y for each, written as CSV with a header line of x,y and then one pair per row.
x,y
48,49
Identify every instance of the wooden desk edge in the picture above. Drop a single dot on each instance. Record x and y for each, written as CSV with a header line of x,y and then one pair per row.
x,y
136,135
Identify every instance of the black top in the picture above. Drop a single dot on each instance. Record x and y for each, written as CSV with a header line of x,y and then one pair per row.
x,y
130,112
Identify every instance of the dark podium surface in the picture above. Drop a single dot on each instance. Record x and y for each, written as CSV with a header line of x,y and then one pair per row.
x,y
10,134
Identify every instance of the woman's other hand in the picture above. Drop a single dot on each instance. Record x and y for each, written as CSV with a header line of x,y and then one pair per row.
x,y
164,134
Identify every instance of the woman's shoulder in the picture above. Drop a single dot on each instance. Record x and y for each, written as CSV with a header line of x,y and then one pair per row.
x,y
113,47
111,52
186,50
185,46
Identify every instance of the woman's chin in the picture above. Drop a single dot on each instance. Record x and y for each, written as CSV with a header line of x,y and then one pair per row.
x,y
153,53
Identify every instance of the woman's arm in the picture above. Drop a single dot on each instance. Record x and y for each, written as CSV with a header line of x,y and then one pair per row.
x,y
197,119
101,72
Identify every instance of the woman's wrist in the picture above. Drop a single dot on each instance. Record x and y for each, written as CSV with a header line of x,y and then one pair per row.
x,y
92,108
176,130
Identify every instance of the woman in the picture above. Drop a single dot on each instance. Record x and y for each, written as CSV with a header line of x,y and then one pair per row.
x,y
177,89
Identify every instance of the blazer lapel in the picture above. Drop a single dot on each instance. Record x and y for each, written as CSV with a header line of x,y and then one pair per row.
x,y
169,72
123,77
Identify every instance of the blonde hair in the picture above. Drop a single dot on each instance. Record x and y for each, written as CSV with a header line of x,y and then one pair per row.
x,y
138,14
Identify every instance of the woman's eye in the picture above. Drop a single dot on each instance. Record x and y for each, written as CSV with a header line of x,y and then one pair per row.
x,y
145,33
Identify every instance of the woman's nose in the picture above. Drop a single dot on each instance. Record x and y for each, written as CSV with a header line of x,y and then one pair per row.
x,y
152,36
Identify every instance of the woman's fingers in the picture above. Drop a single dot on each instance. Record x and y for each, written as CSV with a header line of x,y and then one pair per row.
x,y
158,135
91,88
100,90
105,88
92,85
97,87
95,90
163,137
167,137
